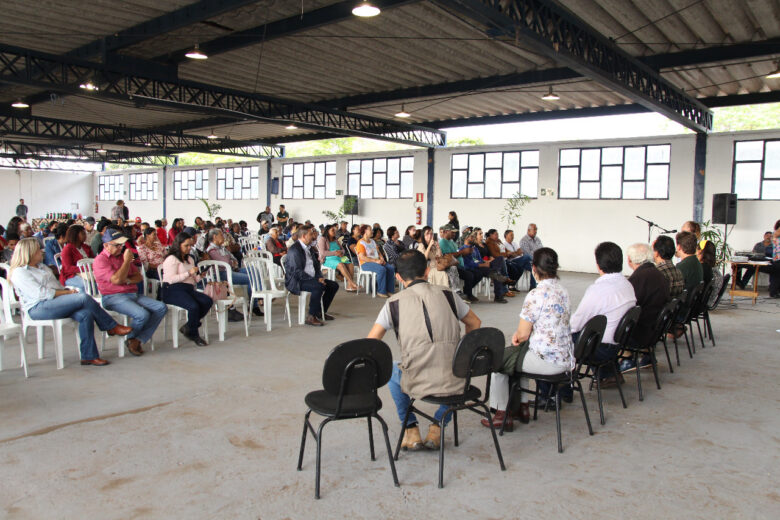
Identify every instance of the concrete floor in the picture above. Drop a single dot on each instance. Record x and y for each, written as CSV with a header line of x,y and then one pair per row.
x,y
214,433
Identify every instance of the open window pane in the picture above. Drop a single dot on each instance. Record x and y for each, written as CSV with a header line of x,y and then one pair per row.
x,y
747,180
569,183
658,181
635,163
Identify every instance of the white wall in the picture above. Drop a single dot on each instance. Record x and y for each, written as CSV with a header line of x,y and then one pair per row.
x,y
45,191
571,227
754,217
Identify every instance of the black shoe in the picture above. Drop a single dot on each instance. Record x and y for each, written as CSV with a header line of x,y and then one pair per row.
x,y
257,312
568,398
540,405
184,330
329,317
501,300
234,315
200,342
472,299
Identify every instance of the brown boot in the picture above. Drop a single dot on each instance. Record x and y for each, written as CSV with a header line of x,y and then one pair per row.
x,y
412,440
498,418
120,330
432,440
523,414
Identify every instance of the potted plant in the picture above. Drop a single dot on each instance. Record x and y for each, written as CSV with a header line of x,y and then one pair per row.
x,y
211,209
335,217
513,209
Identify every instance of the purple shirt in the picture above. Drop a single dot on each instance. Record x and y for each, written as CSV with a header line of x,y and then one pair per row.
x,y
104,267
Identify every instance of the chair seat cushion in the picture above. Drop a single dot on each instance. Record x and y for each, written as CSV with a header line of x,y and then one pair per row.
x,y
554,378
471,394
352,406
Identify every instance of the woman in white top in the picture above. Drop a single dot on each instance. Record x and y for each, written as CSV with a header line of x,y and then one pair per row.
x,y
429,247
371,260
44,298
179,278
542,341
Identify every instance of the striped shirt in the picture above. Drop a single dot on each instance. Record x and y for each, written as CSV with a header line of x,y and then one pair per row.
x,y
675,277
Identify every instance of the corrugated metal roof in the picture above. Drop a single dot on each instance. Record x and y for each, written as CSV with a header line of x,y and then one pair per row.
x,y
414,45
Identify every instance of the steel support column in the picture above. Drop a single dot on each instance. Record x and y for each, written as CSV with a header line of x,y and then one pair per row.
x,y
164,190
431,167
268,182
700,165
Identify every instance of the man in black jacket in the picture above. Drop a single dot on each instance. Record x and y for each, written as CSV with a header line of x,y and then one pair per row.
x,y
652,292
302,273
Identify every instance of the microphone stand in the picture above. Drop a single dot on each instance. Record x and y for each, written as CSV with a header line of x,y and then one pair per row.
x,y
651,225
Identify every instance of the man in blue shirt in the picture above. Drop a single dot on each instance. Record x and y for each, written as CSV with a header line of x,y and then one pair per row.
x,y
473,262
448,246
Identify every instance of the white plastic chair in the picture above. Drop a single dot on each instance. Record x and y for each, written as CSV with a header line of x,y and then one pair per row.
x,y
13,301
56,327
210,272
264,287
174,312
58,261
367,279
303,300
9,329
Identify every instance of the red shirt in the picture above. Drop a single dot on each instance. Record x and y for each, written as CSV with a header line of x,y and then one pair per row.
x,y
70,255
104,266
162,236
172,234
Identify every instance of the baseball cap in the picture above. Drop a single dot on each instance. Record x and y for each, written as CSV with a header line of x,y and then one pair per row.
x,y
449,227
114,235
137,220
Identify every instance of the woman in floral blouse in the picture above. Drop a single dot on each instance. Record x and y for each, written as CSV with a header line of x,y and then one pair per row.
x,y
151,252
542,343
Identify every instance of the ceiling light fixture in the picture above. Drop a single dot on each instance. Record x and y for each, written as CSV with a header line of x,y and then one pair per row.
x,y
365,10
20,104
403,113
88,85
291,126
100,150
196,54
551,96
212,135
775,74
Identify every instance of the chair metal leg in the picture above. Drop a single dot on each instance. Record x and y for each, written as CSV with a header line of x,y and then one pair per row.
x,y
558,418
303,439
389,449
441,448
584,407
677,351
319,458
455,425
597,379
654,363
698,326
403,429
708,324
370,438
688,344
495,438
619,384
638,377
668,359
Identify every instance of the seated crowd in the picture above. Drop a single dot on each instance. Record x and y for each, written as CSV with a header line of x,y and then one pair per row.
x,y
126,254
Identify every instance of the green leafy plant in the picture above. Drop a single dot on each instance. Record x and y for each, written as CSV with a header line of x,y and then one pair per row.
x,y
211,209
723,252
336,216
513,209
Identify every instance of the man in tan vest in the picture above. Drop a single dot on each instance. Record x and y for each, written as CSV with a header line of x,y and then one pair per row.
x,y
426,319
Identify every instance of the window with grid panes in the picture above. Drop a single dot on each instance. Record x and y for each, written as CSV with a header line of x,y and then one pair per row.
x,y
382,178
236,183
143,186
190,184
615,172
494,175
756,170
309,180
111,187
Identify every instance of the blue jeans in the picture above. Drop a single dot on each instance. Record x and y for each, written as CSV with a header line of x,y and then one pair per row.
x,y
82,308
76,282
520,264
385,276
402,400
145,312
185,296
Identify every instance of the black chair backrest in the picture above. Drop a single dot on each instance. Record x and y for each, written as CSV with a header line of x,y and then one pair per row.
x,y
704,299
626,325
359,366
589,339
691,301
479,352
664,322
726,280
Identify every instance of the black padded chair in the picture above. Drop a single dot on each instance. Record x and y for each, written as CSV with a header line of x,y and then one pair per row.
x,y
594,368
352,374
688,307
479,353
589,339
704,314
636,350
698,310
673,306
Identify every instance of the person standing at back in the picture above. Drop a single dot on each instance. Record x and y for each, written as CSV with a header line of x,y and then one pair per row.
x,y
21,209
426,350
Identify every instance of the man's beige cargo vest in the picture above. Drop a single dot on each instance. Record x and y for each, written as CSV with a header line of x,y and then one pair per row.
x,y
427,346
